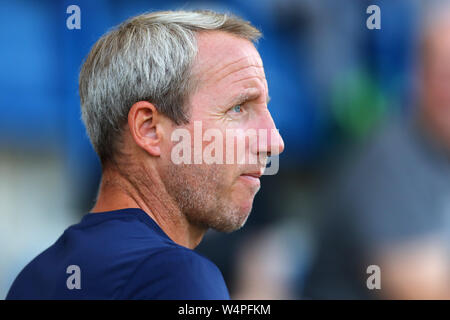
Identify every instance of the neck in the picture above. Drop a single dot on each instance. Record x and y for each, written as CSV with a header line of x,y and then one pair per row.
x,y
144,190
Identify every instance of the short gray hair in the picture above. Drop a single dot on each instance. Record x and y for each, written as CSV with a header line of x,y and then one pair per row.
x,y
146,58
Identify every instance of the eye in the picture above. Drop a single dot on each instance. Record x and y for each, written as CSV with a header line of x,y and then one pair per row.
x,y
237,109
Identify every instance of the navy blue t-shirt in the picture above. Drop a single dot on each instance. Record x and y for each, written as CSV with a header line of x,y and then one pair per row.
x,y
119,254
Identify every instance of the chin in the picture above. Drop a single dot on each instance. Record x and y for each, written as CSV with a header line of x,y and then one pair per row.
x,y
246,209
232,220
239,218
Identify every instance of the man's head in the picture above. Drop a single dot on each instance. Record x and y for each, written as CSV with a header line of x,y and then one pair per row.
x,y
436,72
159,73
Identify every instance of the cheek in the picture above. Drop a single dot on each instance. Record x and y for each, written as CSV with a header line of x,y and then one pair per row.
x,y
240,147
166,152
223,180
219,177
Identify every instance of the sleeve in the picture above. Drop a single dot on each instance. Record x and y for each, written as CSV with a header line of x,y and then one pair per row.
x,y
176,274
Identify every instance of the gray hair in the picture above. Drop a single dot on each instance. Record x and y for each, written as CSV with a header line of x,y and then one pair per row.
x,y
146,58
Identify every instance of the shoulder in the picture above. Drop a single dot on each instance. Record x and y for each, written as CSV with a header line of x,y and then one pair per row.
x,y
176,273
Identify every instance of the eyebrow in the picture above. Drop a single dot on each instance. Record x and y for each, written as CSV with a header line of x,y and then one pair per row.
x,y
245,97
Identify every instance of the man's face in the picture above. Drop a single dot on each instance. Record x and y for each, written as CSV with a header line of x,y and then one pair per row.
x,y
232,94
436,82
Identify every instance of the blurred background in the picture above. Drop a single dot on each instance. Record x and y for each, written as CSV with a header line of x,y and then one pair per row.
x,y
365,116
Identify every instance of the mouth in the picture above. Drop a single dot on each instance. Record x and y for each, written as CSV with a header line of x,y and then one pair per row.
x,y
252,177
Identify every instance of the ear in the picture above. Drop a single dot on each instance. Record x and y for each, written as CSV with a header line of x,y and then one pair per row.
x,y
144,124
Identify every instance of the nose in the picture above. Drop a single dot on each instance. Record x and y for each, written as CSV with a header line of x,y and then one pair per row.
x,y
270,141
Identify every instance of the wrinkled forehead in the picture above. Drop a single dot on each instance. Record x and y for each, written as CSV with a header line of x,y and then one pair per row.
x,y
221,54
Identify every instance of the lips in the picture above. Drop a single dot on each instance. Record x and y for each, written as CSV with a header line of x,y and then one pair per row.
x,y
253,174
252,177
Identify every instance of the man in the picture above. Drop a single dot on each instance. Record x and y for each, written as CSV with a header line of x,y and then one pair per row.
x,y
391,207
153,79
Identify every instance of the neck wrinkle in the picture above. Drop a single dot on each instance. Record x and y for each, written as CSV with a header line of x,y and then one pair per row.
x,y
140,188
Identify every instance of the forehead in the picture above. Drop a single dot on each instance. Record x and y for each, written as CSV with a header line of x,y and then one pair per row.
x,y
224,57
